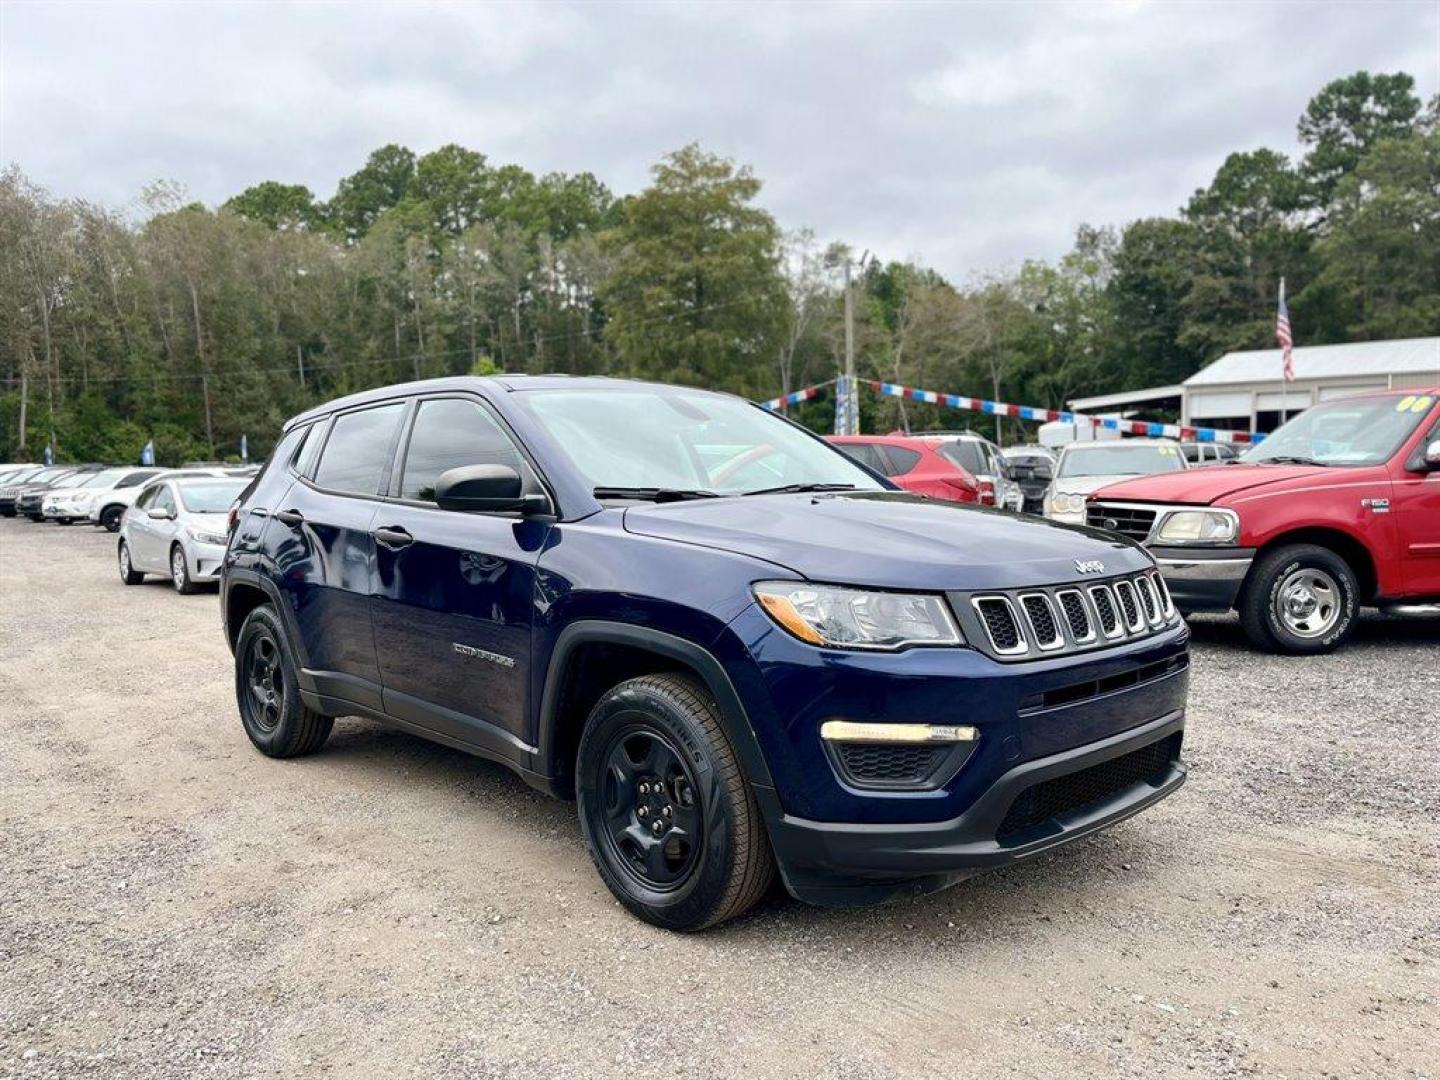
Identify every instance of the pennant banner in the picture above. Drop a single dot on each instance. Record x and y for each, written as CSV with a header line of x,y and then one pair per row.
x,y
810,393
1041,416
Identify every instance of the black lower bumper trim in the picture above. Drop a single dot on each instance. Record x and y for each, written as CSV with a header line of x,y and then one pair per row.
x,y
842,863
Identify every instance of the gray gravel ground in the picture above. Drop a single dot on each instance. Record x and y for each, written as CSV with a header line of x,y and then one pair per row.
x,y
172,904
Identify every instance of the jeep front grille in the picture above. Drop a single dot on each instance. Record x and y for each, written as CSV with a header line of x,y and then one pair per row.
x,y
1026,624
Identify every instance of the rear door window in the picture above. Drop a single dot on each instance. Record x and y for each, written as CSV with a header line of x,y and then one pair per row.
x,y
902,459
450,433
866,454
359,450
967,455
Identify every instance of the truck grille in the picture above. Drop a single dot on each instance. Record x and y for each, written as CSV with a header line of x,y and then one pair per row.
x,y
1050,799
1026,624
1134,522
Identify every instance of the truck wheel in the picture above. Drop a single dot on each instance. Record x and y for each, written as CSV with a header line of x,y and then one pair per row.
x,y
1300,599
128,574
667,813
275,718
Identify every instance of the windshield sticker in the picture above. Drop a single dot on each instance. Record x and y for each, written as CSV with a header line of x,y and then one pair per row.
x,y
1422,403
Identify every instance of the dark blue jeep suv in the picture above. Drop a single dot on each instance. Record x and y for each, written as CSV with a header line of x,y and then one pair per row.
x,y
736,648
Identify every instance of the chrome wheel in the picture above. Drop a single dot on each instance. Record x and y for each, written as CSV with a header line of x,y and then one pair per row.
x,y
124,560
1309,602
177,568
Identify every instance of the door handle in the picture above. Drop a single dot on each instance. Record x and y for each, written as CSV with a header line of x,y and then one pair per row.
x,y
393,537
292,518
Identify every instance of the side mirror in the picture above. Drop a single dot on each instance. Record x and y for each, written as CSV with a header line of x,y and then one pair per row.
x,y
486,489
1432,456
159,513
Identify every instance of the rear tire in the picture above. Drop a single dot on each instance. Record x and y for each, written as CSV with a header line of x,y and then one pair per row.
x,y
1300,599
665,807
110,518
128,574
267,691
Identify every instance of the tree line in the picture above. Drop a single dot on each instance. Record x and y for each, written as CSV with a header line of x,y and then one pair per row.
x,y
191,326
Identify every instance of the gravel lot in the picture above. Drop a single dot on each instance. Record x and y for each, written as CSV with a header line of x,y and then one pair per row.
x,y
174,904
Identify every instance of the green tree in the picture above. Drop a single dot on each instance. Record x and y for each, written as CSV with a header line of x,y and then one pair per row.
x,y
365,194
280,206
1347,118
697,287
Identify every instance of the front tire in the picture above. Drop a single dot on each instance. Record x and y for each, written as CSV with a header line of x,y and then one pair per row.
x,y
1300,599
267,691
128,574
665,808
180,571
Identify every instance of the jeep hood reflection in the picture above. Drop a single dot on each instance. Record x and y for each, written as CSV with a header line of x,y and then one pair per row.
x,y
891,540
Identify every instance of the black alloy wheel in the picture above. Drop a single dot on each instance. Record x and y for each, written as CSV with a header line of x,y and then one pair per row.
x,y
265,681
653,826
267,691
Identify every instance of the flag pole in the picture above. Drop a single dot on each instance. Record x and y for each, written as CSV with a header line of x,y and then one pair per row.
x,y
1284,382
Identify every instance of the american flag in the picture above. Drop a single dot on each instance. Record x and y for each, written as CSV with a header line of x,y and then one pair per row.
x,y
1283,335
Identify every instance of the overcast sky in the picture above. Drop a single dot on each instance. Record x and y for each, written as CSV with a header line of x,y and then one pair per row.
x,y
971,136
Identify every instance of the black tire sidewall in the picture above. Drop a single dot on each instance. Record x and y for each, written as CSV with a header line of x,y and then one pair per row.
x,y
184,586
692,903
132,576
110,518
279,741
1280,566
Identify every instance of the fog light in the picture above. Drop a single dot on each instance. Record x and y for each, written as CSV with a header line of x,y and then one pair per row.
x,y
851,731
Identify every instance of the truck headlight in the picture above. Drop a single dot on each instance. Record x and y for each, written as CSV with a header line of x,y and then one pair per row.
x,y
841,618
1064,503
1199,527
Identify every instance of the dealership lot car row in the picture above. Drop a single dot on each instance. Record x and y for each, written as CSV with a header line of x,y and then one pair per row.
x,y
656,607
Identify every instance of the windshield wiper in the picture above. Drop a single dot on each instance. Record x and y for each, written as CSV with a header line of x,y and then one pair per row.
x,y
654,494
1294,459
786,489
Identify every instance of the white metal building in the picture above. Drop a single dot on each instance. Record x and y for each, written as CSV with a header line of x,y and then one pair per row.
x,y
1243,391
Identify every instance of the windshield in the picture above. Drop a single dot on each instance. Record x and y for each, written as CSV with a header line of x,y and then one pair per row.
x,y
651,437
211,497
1359,431
44,476
74,480
104,478
1121,459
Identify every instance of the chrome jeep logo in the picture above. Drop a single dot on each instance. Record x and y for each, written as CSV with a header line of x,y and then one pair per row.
x,y
1089,566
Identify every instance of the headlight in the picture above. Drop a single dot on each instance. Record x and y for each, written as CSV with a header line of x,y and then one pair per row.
x,y
201,537
855,618
1199,527
1064,503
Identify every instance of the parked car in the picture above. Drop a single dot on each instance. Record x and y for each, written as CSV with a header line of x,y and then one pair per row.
x,y
1337,509
1209,453
177,527
18,481
983,460
1032,468
86,500
108,508
731,660
32,494
914,464
1084,467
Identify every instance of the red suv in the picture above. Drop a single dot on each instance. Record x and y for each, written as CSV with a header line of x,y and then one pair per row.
x,y
917,465
1337,509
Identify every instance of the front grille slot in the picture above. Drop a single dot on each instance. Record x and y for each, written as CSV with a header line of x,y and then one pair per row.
x,y
1077,616
1104,601
1149,599
1001,624
1063,795
1129,606
1167,602
1042,621
1134,522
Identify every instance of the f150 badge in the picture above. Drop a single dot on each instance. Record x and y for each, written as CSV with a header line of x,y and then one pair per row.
x,y
1089,566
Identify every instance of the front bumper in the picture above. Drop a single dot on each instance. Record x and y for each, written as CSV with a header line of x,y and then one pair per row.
x,y
206,561
1203,578
843,863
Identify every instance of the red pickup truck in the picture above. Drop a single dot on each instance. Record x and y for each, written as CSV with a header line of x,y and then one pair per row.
x,y
1337,509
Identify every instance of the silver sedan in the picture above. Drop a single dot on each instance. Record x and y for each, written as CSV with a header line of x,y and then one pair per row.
x,y
177,527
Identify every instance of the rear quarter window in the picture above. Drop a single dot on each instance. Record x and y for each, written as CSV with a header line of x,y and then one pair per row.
x,y
902,459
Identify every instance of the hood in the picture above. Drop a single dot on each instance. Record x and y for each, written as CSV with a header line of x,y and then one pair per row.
x,y
890,540
1083,485
1210,484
